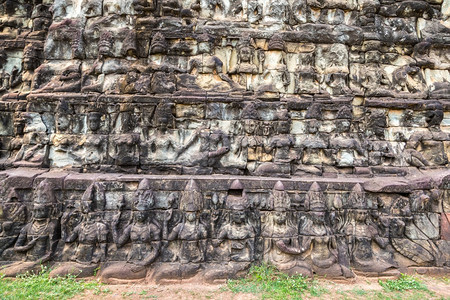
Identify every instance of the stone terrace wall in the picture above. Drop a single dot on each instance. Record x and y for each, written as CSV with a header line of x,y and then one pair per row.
x,y
251,87
184,139
213,227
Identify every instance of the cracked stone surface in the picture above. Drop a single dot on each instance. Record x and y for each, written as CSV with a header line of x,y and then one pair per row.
x,y
164,140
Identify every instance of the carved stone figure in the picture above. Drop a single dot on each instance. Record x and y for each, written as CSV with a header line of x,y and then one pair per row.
x,y
161,145
38,239
318,239
276,77
189,235
251,145
13,215
89,237
237,237
281,241
208,70
68,81
32,143
143,236
95,145
20,81
213,145
68,33
408,79
280,145
362,235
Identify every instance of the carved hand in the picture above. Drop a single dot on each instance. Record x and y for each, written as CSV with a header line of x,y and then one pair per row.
x,y
116,219
137,268
168,215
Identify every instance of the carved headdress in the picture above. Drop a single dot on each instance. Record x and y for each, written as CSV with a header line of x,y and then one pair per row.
x,y
357,197
191,198
245,41
45,194
279,199
95,195
13,196
143,197
158,44
276,42
250,111
105,43
315,198
237,198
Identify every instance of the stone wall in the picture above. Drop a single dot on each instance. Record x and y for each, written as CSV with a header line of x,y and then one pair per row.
x,y
212,228
180,139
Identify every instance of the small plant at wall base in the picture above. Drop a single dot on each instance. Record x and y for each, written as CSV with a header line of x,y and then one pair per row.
x,y
404,283
273,284
41,286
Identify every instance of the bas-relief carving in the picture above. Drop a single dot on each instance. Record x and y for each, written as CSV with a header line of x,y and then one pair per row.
x,y
254,88
106,57
282,243
86,242
38,239
13,218
144,235
325,234
187,241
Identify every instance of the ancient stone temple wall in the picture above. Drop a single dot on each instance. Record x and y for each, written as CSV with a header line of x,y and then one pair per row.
x,y
175,139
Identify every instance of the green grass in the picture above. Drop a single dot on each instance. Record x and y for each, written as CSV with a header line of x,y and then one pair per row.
x,y
404,283
272,284
41,286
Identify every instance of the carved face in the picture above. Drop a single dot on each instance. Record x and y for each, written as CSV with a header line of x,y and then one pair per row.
x,y
284,127
318,217
361,215
279,217
104,49
191,216
140,216
162,122
238,216
86,207
245,54
250,126
19,126
204,47
29,63
41,211
94,121
63,122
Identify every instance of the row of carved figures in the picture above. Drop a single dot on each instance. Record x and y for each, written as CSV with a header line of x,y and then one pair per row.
x,y
144,246
323,69
249,145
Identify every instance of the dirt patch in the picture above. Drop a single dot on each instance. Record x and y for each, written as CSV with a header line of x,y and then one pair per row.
x,y
359,288
169,291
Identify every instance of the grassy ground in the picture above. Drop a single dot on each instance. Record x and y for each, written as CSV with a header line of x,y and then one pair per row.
x,y
272,284
268,283
262,282
41,286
